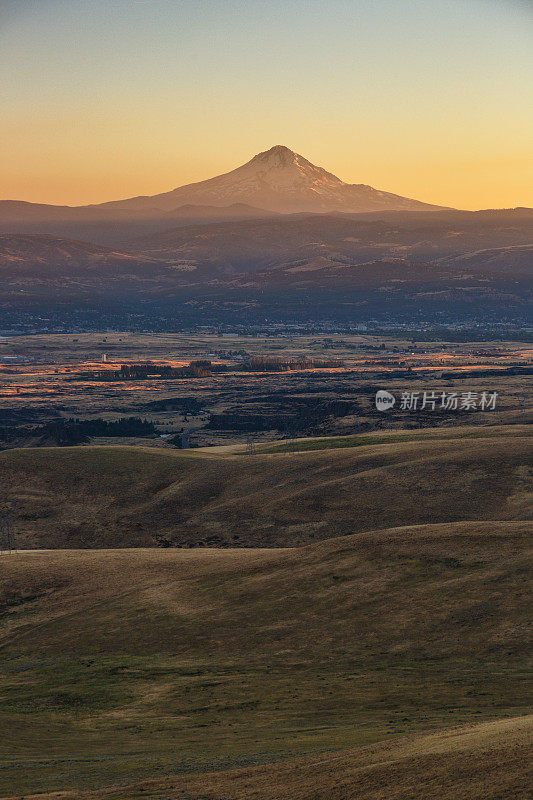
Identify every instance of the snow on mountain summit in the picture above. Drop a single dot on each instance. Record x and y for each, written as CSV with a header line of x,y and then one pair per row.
x,y
277,156
283,167
280,180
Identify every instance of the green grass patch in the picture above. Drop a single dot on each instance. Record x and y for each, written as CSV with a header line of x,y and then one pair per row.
x,y
364,439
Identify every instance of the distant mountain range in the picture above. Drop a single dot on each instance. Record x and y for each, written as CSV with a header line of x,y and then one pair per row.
x,y
316,244
278,181
277,236
496,239
44,258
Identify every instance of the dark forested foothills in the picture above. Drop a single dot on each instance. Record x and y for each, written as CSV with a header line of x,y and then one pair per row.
x,y
266,415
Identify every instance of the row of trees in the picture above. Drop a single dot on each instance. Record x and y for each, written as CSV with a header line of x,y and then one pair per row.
x,y
202,368
79,431
265,364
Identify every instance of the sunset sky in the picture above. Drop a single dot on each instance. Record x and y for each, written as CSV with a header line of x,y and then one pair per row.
x,y
104,99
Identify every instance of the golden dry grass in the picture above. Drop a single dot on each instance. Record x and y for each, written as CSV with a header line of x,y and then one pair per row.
x,y
116,497
388,663
487,760
124,665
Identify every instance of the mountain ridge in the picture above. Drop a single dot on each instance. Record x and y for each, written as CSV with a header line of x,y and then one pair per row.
x,y
277,180
45,256
306,246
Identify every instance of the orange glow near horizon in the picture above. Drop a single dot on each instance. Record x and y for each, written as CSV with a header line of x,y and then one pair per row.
x,y
430,101
458,182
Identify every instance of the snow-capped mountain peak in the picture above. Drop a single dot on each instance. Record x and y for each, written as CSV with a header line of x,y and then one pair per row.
x,y
283,167
281,180
277,156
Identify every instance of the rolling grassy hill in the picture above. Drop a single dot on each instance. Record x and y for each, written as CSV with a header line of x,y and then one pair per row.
x,y
127,497
486,760
47,257
247,246
386,662
124,665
